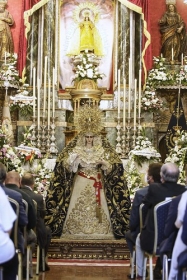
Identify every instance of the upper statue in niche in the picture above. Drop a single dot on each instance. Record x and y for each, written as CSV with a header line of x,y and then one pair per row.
x,y
6,40
173,35
86,36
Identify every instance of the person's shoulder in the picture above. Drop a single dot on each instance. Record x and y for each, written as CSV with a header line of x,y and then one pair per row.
x,y
25,196
155,185
142,191
37,196
12,193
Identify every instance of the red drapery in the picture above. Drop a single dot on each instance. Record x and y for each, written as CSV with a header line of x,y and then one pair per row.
x,y
26,5
142,7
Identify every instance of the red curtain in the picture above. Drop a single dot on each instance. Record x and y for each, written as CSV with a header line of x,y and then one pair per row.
x,y
146,40
26,5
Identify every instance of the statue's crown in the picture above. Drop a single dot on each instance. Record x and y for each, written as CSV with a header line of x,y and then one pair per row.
x,y
173,2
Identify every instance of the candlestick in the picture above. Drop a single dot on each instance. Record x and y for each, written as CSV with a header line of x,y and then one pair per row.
x,y
118,93
53,112
45,79
129,97
38,103
172,54
135,89
34,92
139,93
124,103
49,92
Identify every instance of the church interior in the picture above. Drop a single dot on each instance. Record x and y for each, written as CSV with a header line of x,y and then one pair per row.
x,y
127,59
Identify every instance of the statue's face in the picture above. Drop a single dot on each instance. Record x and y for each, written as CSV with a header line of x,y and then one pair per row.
x,y
2,8
89,139
171,8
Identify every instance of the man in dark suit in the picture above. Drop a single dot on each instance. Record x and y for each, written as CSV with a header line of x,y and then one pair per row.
x,y
22,219
157,192
13,182
10,266
153,176
43,232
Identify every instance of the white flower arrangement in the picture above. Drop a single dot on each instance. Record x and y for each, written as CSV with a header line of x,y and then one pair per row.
x,y
9,76
143,152
133,178
178,154
8,154
42,178
26,149
160,76
150,102
86,67
37,163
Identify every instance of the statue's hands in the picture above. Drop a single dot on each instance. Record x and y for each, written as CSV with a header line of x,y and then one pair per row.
x,y
102,162
179,29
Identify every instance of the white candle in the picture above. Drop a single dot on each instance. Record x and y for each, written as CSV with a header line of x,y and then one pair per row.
x,y
53,93
129,97
118,93
124,107
135,95
139,93
38,103
5,57
48,113
182,59
34,92
45,80
172,54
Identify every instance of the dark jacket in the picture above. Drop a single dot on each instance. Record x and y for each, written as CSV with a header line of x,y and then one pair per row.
x,y
31,209
22,218
134,222
40,224
170,230
157,192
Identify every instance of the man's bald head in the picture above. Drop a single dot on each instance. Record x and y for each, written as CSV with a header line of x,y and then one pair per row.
x,y
13,177
169,172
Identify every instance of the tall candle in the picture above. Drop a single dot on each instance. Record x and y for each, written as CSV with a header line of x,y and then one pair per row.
x,y
45,80
53,112
124,107
118,93
135,96
139,93
48,113
129,96
172,54
38,104
34,92
182,59
5,57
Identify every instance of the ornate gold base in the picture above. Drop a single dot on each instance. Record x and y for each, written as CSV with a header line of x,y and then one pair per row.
x,y
88,249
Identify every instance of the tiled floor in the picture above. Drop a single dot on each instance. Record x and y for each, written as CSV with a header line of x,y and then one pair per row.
x,y
85,271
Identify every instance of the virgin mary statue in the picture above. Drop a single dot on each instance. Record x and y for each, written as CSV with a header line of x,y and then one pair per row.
x,y
86,37
88,197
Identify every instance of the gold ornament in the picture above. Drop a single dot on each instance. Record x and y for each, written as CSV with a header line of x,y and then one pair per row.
x,y
170,2
3,2
86,7
88,120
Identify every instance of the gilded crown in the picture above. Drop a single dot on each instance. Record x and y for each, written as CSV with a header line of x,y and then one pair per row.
x,y
168,2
